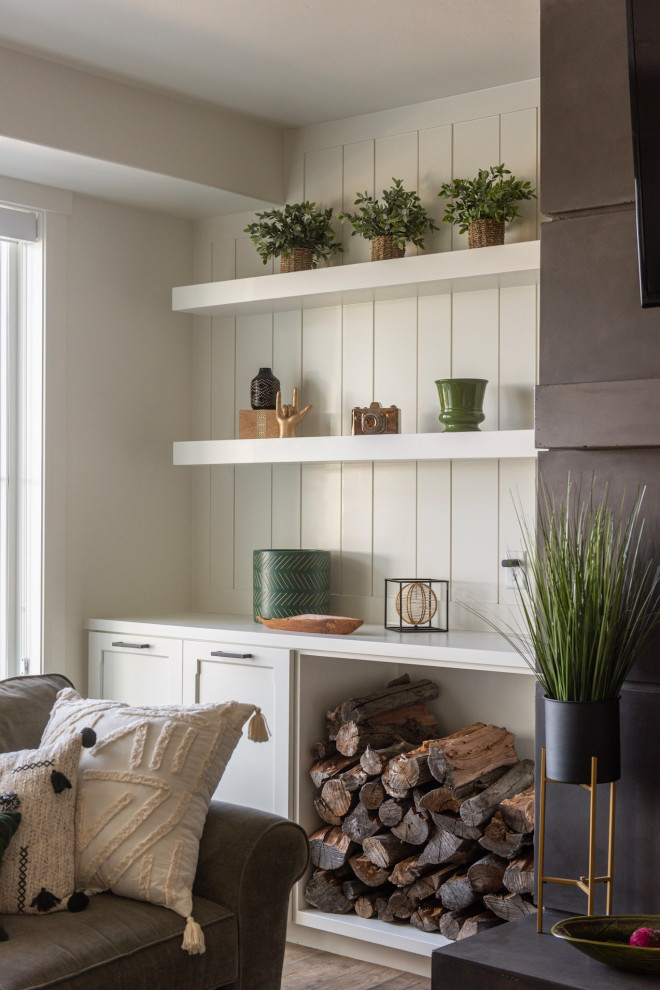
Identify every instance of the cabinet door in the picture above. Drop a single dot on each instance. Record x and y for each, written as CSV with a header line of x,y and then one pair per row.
x,y
141,670
258,773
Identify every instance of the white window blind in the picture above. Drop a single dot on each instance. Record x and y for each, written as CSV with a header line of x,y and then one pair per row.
x,y
21,430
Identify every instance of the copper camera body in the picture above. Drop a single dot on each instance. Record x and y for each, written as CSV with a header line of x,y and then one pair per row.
x,y
374,419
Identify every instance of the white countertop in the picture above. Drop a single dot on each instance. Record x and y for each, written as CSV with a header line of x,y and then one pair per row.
x,y
456,648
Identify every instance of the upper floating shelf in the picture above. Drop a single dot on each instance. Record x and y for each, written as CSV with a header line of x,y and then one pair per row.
x,y
387,447
425,274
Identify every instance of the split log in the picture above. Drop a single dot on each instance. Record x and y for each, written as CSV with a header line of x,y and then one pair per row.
x,y
519,875
360,823
329,848
409,769
509,906
501,840
374,761
452,822
518,811
323,749
451,922
329,767
386,850
443,847
413,828
436,767
384,912
402,904
440,799
392,811
430,883
487,874
480,808
478,923
413,724
368,905
475,757
427,917
325,813
372,794
388,699
457,893
336,796
354,778
324,891
407,871
368,872
352,889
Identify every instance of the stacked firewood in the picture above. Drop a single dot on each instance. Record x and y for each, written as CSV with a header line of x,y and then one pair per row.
x,y
436,830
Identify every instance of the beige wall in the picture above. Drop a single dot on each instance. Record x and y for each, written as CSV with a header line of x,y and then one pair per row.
x,y
118,383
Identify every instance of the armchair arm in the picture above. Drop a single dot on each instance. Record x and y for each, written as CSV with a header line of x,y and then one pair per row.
x,y
248,862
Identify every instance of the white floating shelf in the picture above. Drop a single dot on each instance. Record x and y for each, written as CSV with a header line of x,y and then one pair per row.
x,y
425,274
388,447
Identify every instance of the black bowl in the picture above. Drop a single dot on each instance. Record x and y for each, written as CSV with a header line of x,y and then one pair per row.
x,y
606,938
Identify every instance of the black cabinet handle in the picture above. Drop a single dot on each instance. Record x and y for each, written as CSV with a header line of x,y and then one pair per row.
x,y
133,646
233,656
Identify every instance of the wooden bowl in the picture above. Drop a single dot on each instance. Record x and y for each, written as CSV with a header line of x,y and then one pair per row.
x,y
337,625
606,938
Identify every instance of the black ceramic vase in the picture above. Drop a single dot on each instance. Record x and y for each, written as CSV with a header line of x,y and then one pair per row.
x,y
577,730
263,389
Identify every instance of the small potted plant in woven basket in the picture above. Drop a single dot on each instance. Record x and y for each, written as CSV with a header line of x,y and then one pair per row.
x,y
482,205
300,234
390,224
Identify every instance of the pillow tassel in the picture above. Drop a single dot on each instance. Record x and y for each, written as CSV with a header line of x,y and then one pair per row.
x,y
193,938
258,730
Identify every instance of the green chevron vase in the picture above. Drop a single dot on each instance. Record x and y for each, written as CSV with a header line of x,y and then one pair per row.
x,y
291,582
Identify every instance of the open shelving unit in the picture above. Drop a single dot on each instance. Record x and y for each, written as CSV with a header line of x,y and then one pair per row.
x,y
427,274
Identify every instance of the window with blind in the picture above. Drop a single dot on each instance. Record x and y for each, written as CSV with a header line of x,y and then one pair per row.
x,y
21,430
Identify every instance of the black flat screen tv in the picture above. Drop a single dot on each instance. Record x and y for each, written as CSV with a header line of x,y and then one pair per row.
x,y
644,67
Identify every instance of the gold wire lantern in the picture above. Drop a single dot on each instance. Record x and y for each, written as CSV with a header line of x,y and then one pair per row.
x,y
416,605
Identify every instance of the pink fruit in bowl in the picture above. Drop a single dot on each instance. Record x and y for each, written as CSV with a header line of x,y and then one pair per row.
x,y
647,937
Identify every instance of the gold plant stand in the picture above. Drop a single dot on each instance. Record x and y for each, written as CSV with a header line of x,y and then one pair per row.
x,y
588,883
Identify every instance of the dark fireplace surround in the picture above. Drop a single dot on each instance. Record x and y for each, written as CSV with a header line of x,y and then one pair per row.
x,y
597,412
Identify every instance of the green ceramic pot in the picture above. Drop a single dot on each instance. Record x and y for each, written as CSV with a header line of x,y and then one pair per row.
x,y
290,582
461,403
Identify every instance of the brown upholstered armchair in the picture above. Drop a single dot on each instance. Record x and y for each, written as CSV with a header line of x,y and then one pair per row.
x,y
248,863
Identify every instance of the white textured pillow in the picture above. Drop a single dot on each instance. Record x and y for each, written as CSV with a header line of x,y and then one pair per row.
x,y
143,792
38,866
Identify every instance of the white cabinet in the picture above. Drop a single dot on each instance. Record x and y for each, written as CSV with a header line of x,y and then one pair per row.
x,y
137,669
136,664
257,774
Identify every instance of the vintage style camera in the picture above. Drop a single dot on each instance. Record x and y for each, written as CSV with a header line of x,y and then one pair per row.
x,y
375,419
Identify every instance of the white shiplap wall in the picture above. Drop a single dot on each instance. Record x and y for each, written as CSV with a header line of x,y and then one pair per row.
x,y
380,520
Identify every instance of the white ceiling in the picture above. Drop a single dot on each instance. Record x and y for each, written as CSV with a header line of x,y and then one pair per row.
x,y
293,62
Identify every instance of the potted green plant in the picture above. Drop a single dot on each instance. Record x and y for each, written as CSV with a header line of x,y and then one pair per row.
x,y
390,224
300,234
482,205
589,599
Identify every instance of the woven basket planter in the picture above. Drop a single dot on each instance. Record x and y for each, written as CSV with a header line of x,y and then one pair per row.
x,y
485,233
383,248
300,260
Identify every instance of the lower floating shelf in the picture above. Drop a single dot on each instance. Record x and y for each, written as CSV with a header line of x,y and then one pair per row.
x,y
495,444
395,936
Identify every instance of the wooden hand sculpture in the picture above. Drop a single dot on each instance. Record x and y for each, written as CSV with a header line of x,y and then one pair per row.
x,y
288,417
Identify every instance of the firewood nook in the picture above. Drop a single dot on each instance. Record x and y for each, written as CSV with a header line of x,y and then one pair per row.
x,y
420,827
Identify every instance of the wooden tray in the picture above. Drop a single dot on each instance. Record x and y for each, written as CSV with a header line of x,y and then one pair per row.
x,y
337,625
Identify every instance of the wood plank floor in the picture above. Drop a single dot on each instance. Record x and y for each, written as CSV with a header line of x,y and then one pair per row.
x,y
311,969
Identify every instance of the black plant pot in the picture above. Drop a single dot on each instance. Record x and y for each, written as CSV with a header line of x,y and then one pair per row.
x,y
577,730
